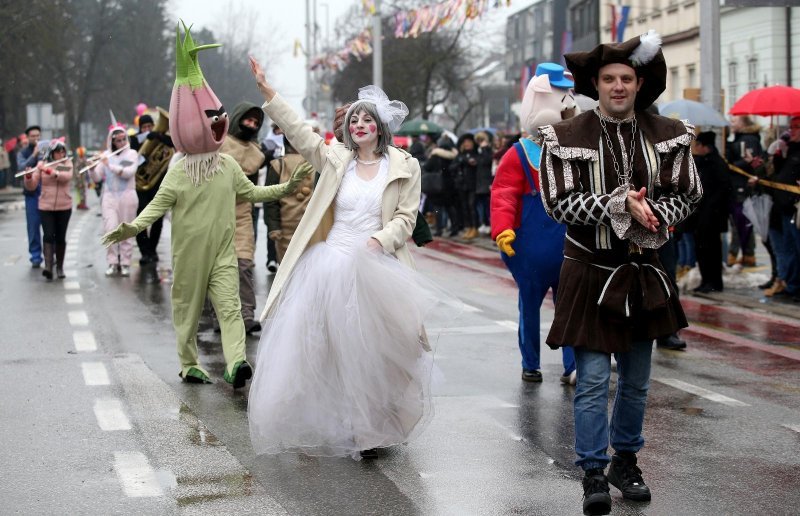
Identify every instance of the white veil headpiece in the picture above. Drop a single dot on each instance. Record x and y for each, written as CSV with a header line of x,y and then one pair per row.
x,y
392,112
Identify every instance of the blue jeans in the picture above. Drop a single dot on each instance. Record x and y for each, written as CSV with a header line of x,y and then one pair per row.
x,y
591,403
686,254
786,246
34,228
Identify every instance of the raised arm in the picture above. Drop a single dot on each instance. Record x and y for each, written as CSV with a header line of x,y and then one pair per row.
x,y
308,143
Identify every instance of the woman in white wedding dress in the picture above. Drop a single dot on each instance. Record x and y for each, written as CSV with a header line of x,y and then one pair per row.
x,y
344,366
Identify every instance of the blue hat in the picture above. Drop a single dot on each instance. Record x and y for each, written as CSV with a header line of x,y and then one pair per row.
x,y
556,73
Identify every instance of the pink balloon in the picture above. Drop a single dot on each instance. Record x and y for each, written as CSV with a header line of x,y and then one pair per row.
x,y
141,107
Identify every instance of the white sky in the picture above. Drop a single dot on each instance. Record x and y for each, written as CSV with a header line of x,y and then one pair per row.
x,y
285,20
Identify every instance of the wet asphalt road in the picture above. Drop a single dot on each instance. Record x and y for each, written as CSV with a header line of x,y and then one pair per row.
x,y
96,421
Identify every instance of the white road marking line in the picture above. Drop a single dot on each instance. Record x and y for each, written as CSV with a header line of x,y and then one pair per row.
x,y
795,428
511,325
69,263
425,475
136,475
110,416
703,393
72,285
72,242
94,373
463,306
11,260
70,273
73,299
84,341
468,330
78,318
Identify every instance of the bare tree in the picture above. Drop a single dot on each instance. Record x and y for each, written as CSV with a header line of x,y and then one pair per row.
x,y
82,56
432,71
241,33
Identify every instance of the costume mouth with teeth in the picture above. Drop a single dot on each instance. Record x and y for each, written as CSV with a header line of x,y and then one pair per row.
x,y
198,122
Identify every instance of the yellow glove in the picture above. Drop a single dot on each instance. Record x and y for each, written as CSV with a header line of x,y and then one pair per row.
x,y
123,232
504,241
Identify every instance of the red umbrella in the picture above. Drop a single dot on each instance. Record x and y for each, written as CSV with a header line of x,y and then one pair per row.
x,y
10,144
773,100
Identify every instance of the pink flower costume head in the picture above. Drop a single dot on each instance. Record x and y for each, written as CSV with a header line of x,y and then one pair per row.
x,y
197,121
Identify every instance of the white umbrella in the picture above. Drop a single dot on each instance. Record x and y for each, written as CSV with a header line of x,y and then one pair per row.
x,y
695,112
756,208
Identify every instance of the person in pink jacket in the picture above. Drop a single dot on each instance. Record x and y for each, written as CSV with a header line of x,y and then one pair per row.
x,y
55,204
119,201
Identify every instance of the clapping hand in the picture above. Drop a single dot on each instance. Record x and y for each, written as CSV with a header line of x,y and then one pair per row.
x,y
123,232
637,205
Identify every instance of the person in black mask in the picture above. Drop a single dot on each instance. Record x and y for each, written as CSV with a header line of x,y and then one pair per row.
x,y
242,145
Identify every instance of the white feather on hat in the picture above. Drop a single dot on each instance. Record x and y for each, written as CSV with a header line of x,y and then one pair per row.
x,y
650,43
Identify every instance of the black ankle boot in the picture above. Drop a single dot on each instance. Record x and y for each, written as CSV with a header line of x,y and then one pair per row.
x,y
626,476
47,251
61,251
596,499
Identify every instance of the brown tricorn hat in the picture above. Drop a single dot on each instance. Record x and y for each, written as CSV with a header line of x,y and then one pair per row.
x,y
642,53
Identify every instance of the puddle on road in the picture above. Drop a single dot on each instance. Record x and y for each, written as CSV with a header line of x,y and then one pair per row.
x,y
197,432
205,489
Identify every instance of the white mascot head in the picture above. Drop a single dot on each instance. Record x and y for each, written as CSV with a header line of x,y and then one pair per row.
x,y
548,99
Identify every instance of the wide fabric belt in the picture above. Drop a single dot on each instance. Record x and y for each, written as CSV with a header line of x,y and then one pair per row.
x,y
632,288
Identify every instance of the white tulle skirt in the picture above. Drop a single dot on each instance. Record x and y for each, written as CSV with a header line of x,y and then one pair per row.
x,y
342,365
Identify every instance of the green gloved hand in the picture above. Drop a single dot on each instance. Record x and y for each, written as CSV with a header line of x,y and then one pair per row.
x,y
300,173
123,232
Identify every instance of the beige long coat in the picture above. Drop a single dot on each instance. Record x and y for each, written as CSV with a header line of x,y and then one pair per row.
x,y
400,197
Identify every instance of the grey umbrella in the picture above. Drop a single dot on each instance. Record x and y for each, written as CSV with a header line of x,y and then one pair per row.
x,y
695,112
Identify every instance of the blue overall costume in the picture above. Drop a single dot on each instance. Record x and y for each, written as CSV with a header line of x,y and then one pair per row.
x,y
536,266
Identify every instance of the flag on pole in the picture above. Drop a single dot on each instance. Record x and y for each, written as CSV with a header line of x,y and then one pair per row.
x,y
619,19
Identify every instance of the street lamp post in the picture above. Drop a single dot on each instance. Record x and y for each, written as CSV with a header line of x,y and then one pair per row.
x,y
308,104
377,47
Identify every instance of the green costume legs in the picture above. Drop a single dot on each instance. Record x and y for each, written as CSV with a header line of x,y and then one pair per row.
x,y
188,295
223,290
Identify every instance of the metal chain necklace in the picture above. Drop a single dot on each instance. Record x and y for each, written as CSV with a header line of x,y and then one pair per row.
x,y
627,163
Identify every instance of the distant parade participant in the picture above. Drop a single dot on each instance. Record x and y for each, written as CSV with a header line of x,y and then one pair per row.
x,y
283,216
53,175
156,148
116,170
27,157
242,145
201,190
532,244
618,177
80,180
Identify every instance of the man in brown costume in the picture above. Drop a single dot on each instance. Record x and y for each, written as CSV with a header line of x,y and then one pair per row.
x,y
618,177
